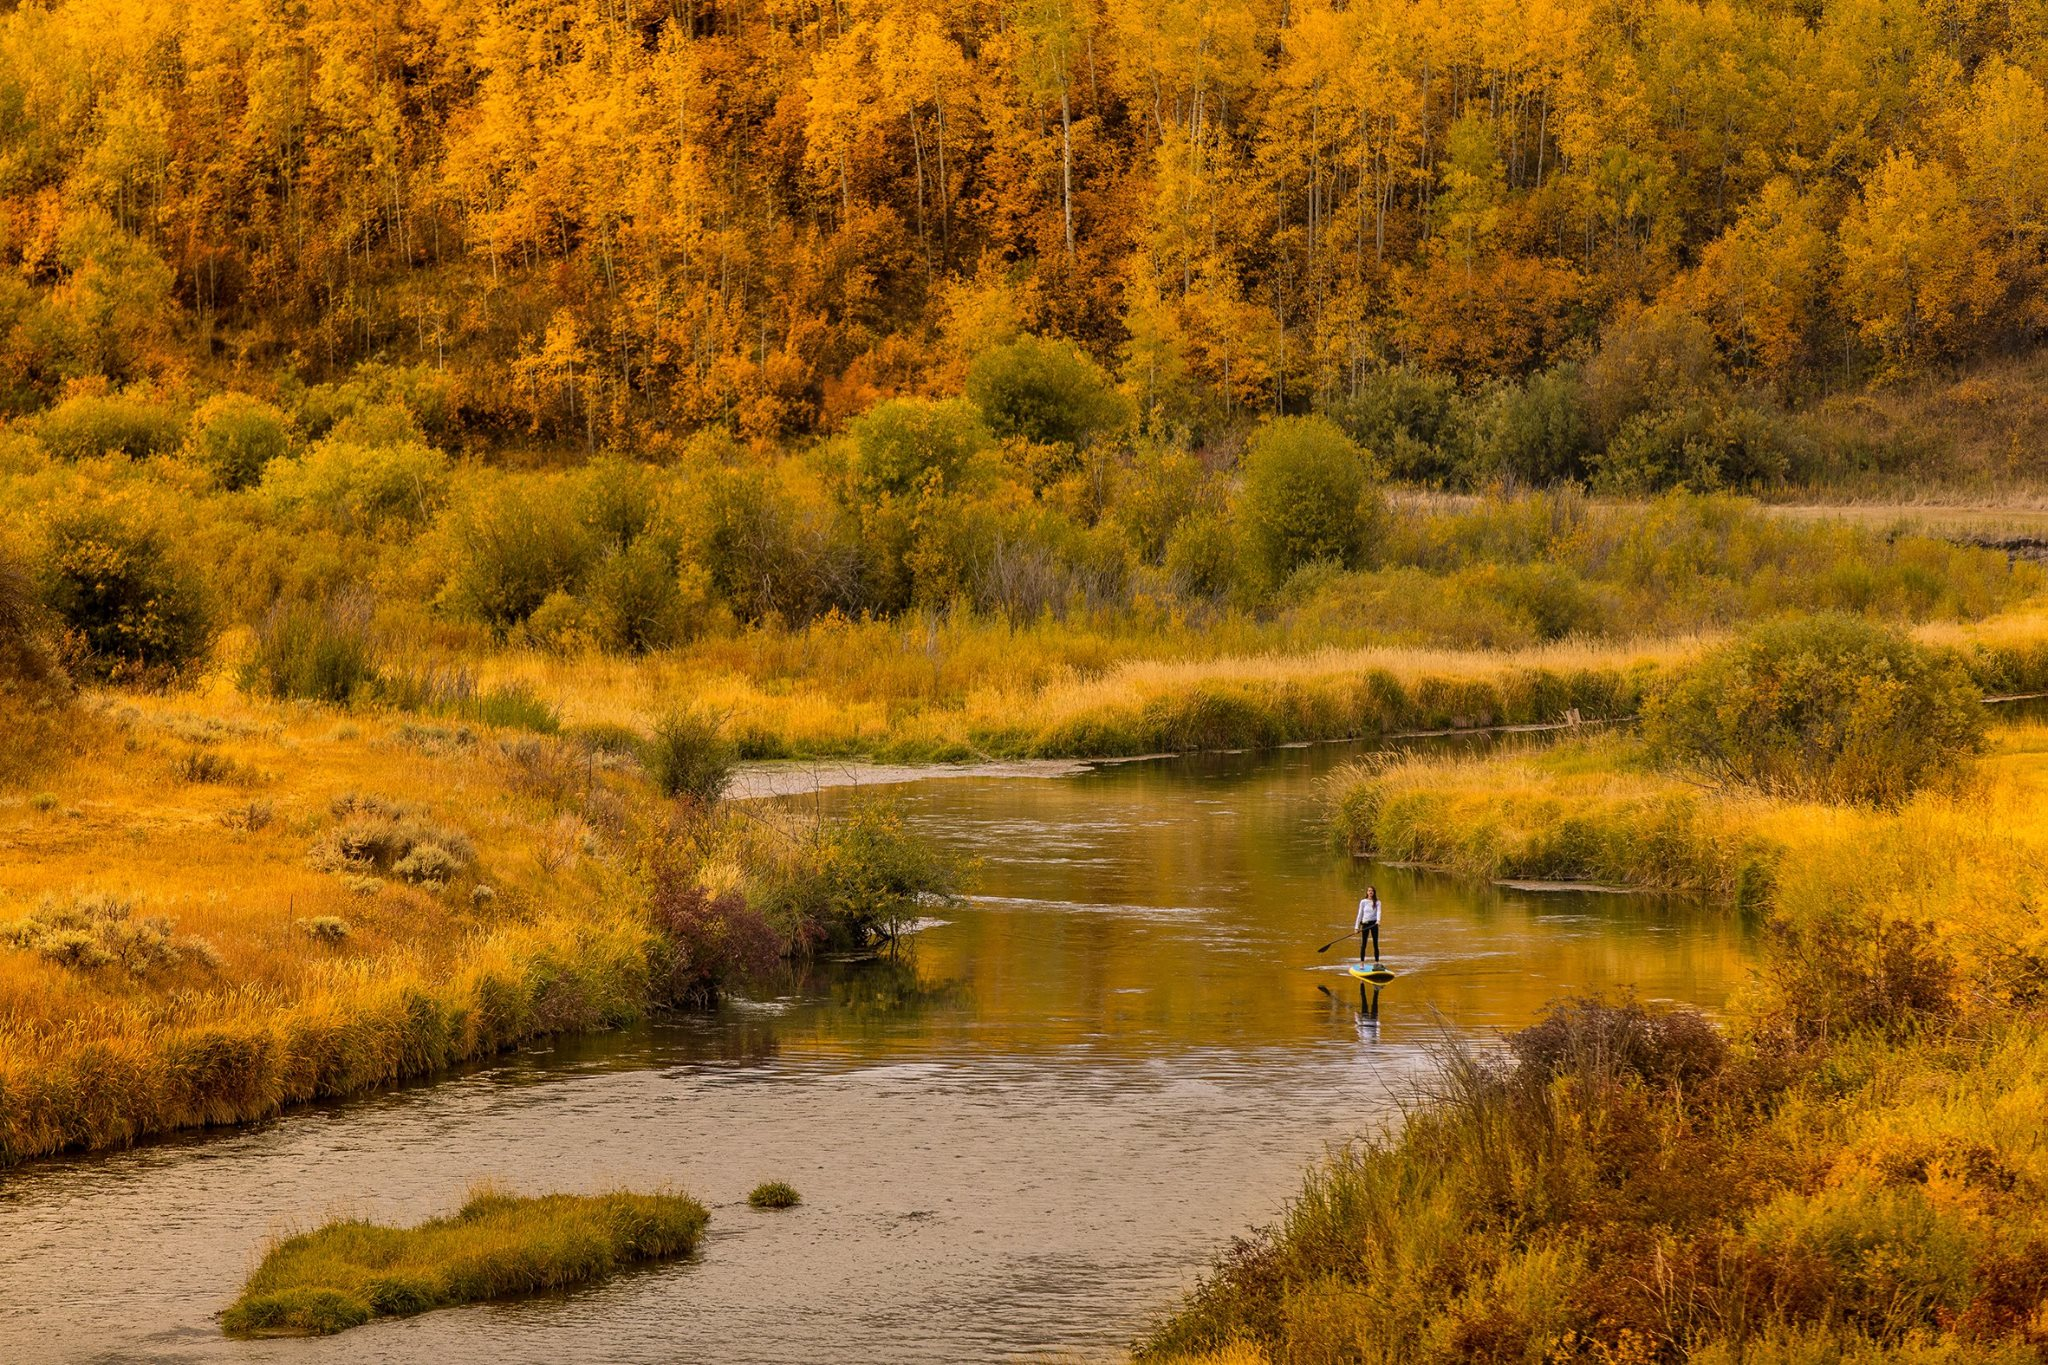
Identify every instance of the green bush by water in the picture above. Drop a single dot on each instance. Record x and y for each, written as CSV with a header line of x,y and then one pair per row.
x,y
774,1194
497,1245
1828,707
687,758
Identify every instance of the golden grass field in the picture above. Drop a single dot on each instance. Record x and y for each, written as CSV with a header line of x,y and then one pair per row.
x,y
193,953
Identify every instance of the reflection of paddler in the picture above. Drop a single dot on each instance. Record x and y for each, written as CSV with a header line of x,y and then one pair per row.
x,y
1369,1014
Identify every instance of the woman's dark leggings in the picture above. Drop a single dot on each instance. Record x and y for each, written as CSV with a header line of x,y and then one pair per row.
x,y
1369,933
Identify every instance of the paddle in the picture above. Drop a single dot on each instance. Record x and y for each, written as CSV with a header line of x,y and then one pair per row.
x,y
1334,942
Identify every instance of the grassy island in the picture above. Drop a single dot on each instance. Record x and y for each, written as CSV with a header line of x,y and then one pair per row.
x,y
497,1245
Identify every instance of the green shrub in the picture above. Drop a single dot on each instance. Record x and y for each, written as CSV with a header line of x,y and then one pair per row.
x,y
236,436
618,501
33,687
1416,421
636,602
361,487
898,443
89,425
1697,446
132,610
379,402
350,1271
515,546
687,758
1202,555
1044,389
1157,491
1538,431
1826,707
763,555
1307,497
774,1194
313,652
869,876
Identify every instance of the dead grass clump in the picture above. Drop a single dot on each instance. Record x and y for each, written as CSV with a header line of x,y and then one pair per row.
x,y
249,816
203,767
374,835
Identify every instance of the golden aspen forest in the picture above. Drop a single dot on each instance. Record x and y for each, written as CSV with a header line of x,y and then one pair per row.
x,y
613,223
622,617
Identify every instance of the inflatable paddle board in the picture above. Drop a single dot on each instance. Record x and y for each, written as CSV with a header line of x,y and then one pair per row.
x,y
1375,972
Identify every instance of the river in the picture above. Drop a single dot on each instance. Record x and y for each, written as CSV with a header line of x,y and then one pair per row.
x,y
1020,1140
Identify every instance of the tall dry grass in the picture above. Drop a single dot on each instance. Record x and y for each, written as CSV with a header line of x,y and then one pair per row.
x,y
959,688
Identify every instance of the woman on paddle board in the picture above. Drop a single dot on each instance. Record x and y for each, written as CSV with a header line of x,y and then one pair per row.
x,y
1369,923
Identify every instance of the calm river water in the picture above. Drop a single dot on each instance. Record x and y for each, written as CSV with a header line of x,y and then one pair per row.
x,y
1021,1141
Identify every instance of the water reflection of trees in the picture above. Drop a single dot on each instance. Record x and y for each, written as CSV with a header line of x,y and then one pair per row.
x,y
890,987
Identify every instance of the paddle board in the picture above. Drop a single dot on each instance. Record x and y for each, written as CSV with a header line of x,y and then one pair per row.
x,y
1373,973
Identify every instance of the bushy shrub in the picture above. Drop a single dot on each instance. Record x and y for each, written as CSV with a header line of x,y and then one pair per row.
x,y
31,682
90,931
750,539
1155,492
515,546
324,928
1537,432
1697,446
359,487
637,599
898,443
379,403
688,758
1044,389
1604,1037
618,501
313,651
92,424
702,940
1308,496
374,835
1555,601
869,876
132,611
235,436
1649,359
1202,556
1826,707
1416,422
